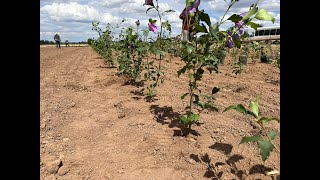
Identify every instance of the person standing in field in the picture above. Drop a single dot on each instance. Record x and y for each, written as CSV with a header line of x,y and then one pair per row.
x,y
67,43
57,39
188,18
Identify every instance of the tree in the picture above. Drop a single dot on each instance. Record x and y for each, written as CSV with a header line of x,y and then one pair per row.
x,y
90,41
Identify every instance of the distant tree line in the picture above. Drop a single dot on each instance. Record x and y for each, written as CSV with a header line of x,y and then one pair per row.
x,y
46,42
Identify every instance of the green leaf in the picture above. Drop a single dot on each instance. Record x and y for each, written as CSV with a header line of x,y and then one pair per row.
x,y
235,18
182,70
148,10
170,10
194,117
183,95
272,134
206,96
250,13
215,90
251,139
265,148
152,21
252,114
205,17
145,32
253,25
211,107
196,97
201,28
198,74
189,2
237,42
254,105
265,120
200,104
163,53
184,120
166,25
189,49
263,15
214,30
240,108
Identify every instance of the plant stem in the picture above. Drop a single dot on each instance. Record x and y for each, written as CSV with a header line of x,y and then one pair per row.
x,y
231,4
191,97
137,30
160,37
148,73
255,5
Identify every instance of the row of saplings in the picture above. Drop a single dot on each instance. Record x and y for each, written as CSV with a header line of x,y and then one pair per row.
x,y
135,57
253,50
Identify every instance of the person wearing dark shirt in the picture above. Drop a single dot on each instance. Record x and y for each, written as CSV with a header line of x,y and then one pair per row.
x,y
57,39
67,43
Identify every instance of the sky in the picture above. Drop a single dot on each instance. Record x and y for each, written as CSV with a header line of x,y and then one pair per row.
x,y
72,19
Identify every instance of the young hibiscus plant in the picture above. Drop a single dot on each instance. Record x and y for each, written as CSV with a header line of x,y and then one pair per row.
x,y
158,46
204,52
265,144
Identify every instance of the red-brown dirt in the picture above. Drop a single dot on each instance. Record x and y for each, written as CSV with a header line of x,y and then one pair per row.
x,y
95,126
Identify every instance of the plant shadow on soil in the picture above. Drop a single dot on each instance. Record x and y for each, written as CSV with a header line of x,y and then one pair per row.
x,y
107,67
152,98
166,115
138,93
226,149
134,83
161,114
212,171
222,147
261,169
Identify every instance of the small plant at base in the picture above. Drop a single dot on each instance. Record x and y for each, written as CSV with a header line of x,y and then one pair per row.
x,y
265,58
265,144
240,65
278,58
256,47
237,67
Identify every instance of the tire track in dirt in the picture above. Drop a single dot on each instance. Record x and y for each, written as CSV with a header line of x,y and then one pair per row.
x,y
66,75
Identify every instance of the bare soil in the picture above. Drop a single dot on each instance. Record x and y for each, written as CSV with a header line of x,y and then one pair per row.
x,y
94,125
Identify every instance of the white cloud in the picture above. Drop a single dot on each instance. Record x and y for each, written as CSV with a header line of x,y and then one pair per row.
x,y
108,4
220,6
72,18
108,18
173,19
213,20
70,12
